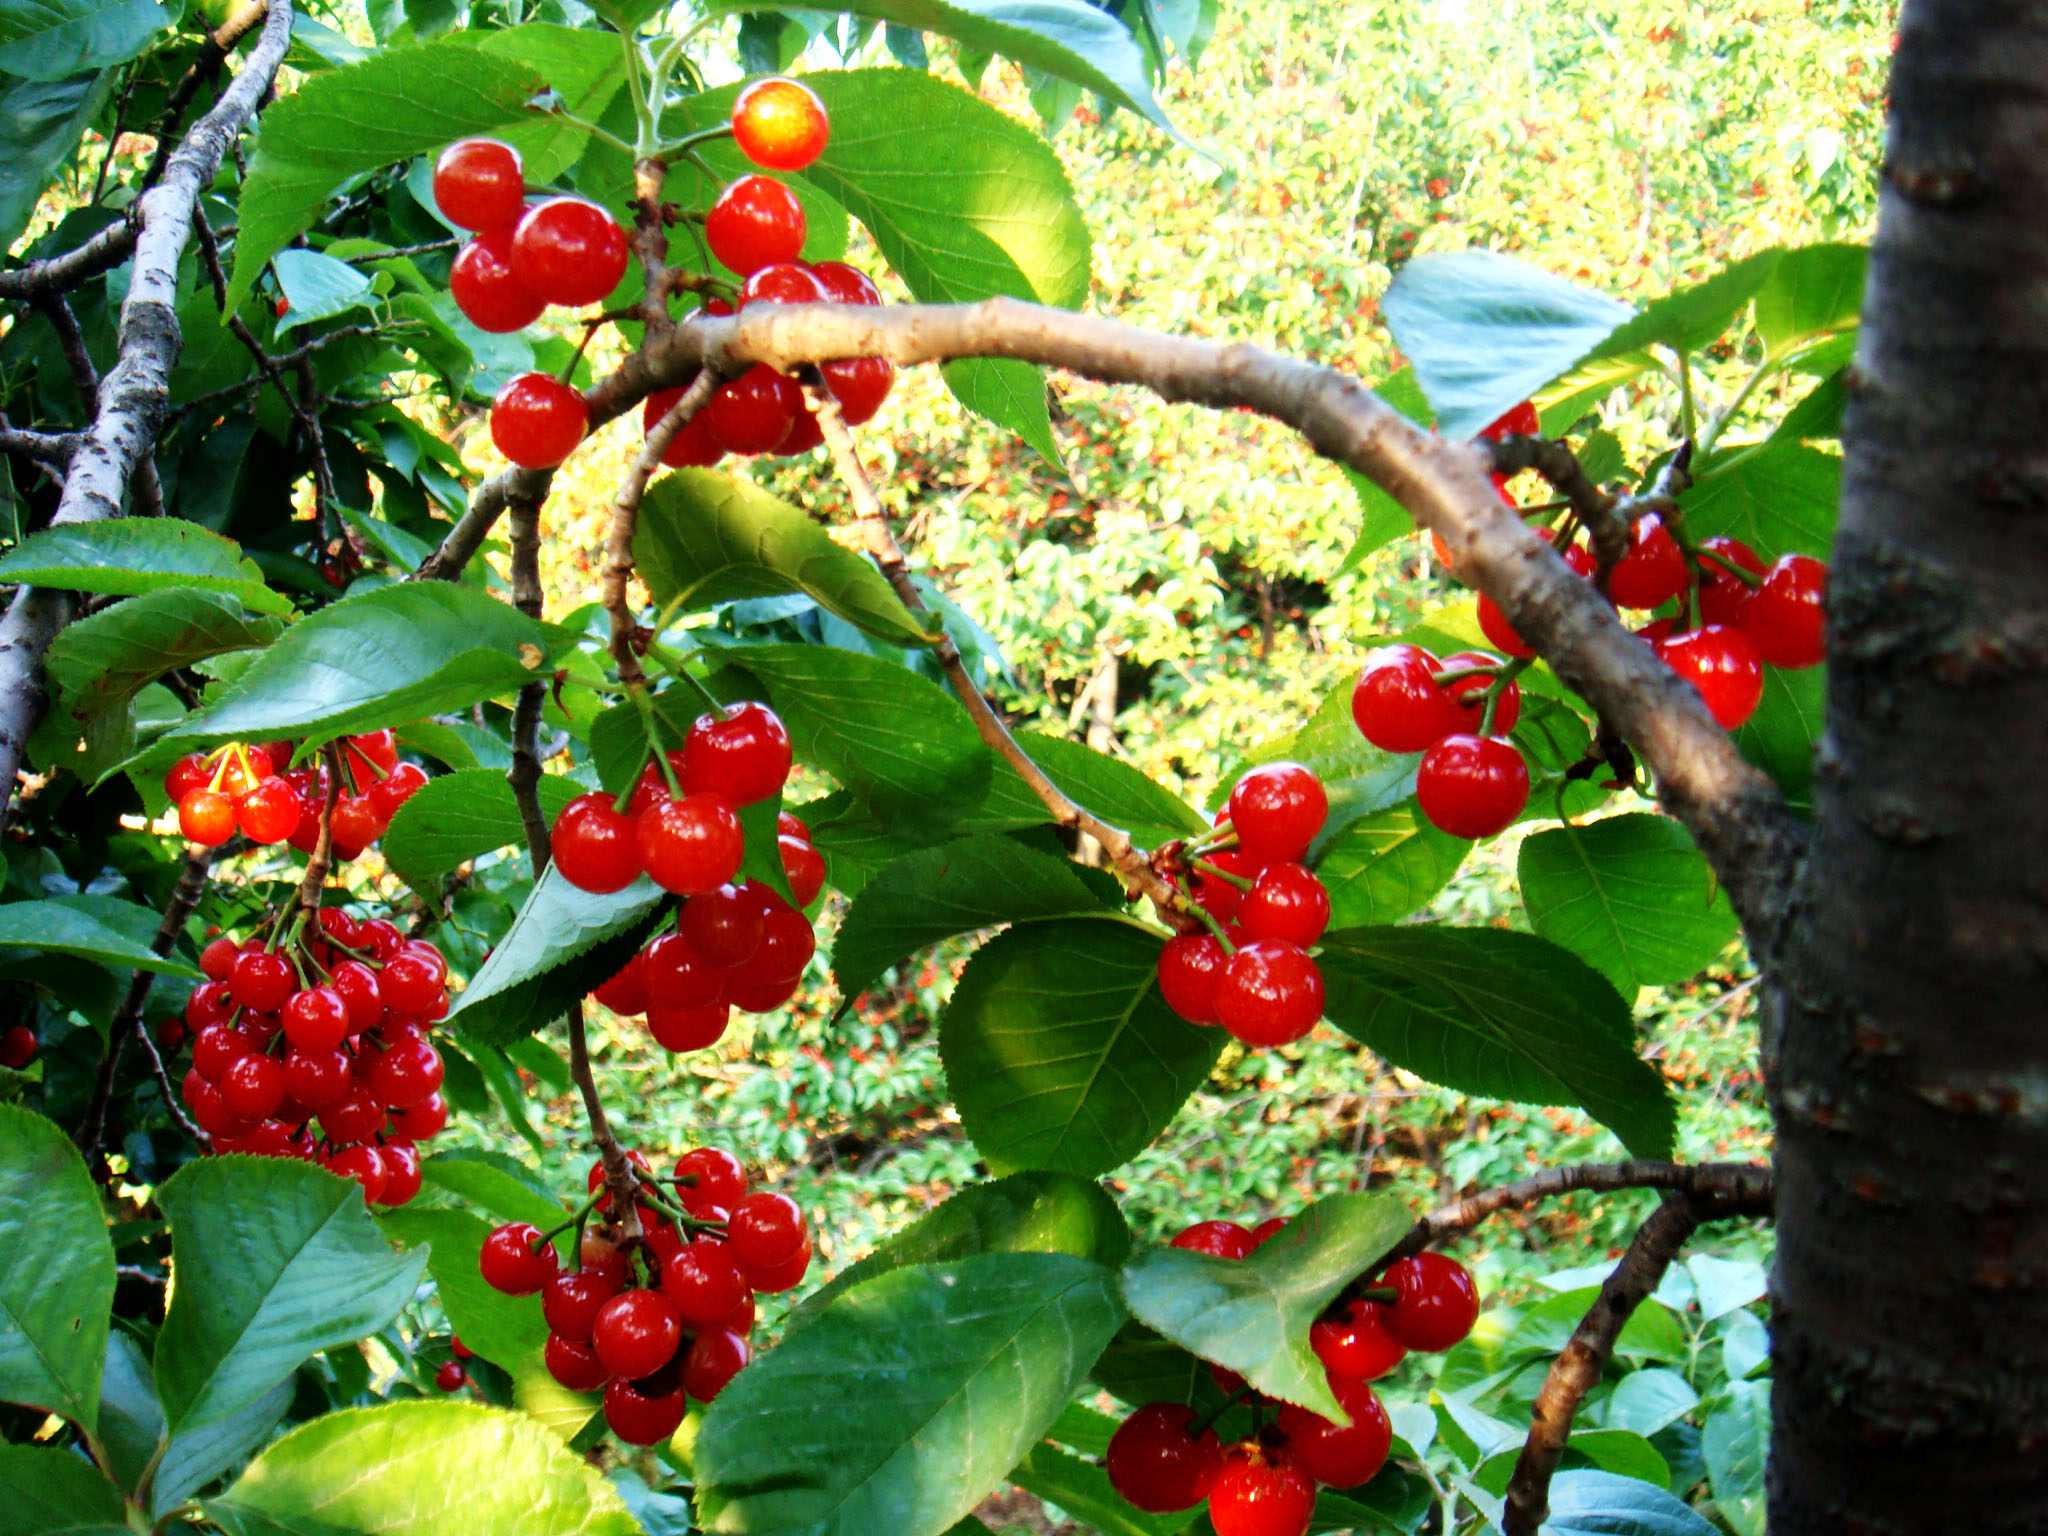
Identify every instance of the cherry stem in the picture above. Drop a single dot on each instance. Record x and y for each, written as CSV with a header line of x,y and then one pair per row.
x,y
690,141
576,1219
1209,921
1748,578
1497,688
1217,872
1385,1293
1451,675
652,723
624,797
1219,840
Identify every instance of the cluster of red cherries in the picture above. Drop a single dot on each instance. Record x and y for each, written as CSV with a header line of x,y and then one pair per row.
x,y
256,791
736,943
665,1318
313,1044
1249,969
1162,1458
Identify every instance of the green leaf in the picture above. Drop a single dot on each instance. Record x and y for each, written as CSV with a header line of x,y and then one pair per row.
x,y
1104,785
1501,1014
318,287
1252,1315
1630,896
395,653
1723,1285
1024,1213
195,1457
1689,318
976,882
392,106
1611,1450
1060,1052
101,928
1735,1440
1781,736
53,1338
126,555
1815,291
1485,331
42,125
503,1329
1381,521
459,815
421,1469
275,1260
906,1400
50,39
1602,1504
131,1419
903,746
1778,499
104,659
486,1180
1359,778
707,538
1645,1401
52,1491
585,67
1395,1500
556,924
1083,1490
1385,865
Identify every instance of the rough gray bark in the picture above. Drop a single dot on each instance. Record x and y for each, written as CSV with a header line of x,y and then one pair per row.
x,y
1907,1042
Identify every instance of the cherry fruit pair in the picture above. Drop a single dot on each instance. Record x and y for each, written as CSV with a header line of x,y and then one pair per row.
x,y
1472,780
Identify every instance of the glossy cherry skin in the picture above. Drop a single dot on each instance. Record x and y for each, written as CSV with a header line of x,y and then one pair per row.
x,y
1435,1301
269,812
575,1366
406,1073
570,1302
1785,618
1397,703
693,445
207,817
722,925
688,1029
515,1261
262,981
479,184
1157,1465
422,1121
741,754
401,1173
676,976
803,867
692,845
1288,903
753,413
756,222
717,1181
1355,1343
626,993
569,251
765,1230
1341,1456
318,1019
1516,421
703,1283
781,282
860,385
1654,569
1221,898
844,284
781,1277
356,1117
715,1356
253,1087
1190,965
537,421
317,1078
487,290
637,1333
1278,808
415,979
1722,593
595,847
363,1164
1468,695
1270,993
1255,1495
1222,1239
1720,662
1472,786
780,124
639,1418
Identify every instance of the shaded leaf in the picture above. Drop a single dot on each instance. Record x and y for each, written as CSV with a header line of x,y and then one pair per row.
x,y
1603,1504
1735,1441
458,816
50,39
127,555
1778,499
54,1491
106,658
1083,1490
503,1329
42,125
1781,736
556,924
53,1338
318,287
1386,865
101,928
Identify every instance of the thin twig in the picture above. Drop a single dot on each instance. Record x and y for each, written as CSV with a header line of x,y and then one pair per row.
x,y
43,447
618,569
619,1175
487,503
524,774
321,859
213,52
283,361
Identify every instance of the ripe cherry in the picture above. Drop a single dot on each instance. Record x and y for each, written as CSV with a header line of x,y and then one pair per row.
x,y
723,926
1516,421
643,1418
1397,703
1257,1495
1157,1465
451,1377
1355,1343
569,251
1500,634
406,1073
595,847
717,1181
781,1277
1342,1456
479,184
781,282
787,944
262,981
687,1029
422,1121
741,754
1720,662
803,867
845,284
1472,786
414,980
753,413
356,985
636,1333
780,124
860,385
401,1173
1435,1302
626,993
1287,903
211,1002
715,1356
1468,695
693,445
571,1300
390,793
318,1019
690,845
317,1078
703,1283
253,1087
766,1230
207,817
269,812
1190,966
575,1366
217,959
190,772
1654,570
1270,993
1221,898
537,421
1222,1239
756,222
357,1117
17,1047
515,1261
485,288
1277,809
1785,618
363,1164
676,976
1722,593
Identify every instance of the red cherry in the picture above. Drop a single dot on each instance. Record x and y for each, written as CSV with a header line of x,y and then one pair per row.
x,y
569,251
317,1078
764,1231
211,1002
216,1048
371,755
688,1029
703,1283
1355,1343
804,434
1785,618
626,993
715,1357
1472,786
782,1277
753,413
269,812
1654,569
262,981
317,1019
1435,1302
642,1418
860,385
1468,693
1190,965
1223,1239
571,1300
207,817
690,845
781,282
356,825
1722,593
1221,898
719,1182
741,754
756,222
253,1087
451,1377
723,926
1718,660
415,979
1255,1495
803,866
787,944
479,184
217,960
595,847
401,1173
422,1121
1288,903
575,1366
1270,993
515,1261
1340,1456
363,1164
190,772
356,985
1517,421
405,1074
1500,634
357,1117
694,445
1398,704
1157,1465
677,976
1277,809
487,291
17,1047
636,1333
780,124
844,284
537,421
400,785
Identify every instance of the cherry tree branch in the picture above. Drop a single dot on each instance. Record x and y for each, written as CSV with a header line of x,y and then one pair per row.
x,y
619,1176
487,503
524,774
321,859
618,569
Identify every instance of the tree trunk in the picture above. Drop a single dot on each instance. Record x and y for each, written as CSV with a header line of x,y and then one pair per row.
x,y
1908,1039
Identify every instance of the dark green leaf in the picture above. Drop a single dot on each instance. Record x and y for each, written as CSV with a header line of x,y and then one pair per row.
x,y
41,126
1083,1490
101,928
1630,896
556,924
1386,865
1485,331
195,1457
1103,785
50,39
1818,414
1781,736
1735,1440
1603,1504
458,816
906,1400
1253,1314
976,882
1395,1500
1506,1015
1611,1450
126,555
275,1259
52,1491
1060,1051
421,1469
53,1338
1691,317
131,1419
1778,499
1815,291
1357,776
487,1181
106,658
707,538
503,1329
